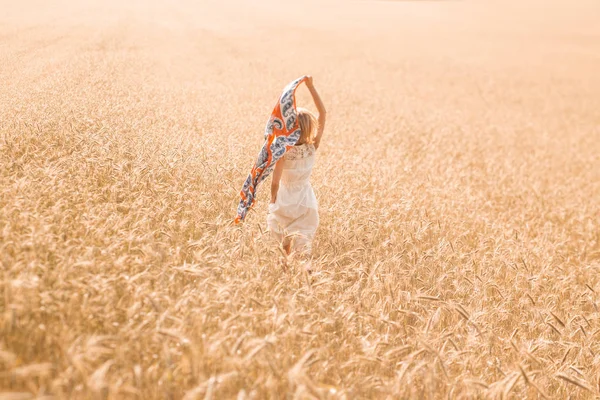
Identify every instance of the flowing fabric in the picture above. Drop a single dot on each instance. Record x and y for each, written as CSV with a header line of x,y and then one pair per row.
x,y
281,133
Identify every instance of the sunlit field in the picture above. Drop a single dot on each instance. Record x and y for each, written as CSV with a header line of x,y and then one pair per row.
x,y
458,182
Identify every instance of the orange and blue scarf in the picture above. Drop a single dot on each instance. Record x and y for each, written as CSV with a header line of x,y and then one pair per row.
x,y
281,133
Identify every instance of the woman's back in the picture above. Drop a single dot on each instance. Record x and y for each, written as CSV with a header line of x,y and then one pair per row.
x,y
298,163
295,211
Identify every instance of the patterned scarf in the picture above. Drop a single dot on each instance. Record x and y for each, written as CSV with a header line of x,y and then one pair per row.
x,y
281,133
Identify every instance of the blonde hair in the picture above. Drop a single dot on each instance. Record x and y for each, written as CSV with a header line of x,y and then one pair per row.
x,y
308,126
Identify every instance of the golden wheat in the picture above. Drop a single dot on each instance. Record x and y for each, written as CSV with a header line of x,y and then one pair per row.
x,y
458,254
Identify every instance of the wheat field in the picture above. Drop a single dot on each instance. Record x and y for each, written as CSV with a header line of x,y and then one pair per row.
x,y
458,181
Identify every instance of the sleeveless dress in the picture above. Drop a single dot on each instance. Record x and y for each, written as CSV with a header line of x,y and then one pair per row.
x,y
295,211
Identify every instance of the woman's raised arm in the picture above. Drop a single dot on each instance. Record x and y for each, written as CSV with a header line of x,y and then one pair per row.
x,y
320,108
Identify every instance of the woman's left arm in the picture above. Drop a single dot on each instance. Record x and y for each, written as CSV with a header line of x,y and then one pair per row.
x,y
320,107
276,178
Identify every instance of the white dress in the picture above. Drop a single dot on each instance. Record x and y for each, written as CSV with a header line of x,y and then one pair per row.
x,y
295,211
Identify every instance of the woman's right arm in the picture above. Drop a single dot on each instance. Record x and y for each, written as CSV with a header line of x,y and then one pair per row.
x,y
276,178
320,108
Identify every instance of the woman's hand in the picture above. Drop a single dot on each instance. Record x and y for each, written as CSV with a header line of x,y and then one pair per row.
x,y
309,81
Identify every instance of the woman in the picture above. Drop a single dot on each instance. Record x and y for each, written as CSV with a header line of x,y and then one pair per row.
x,y
293,215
